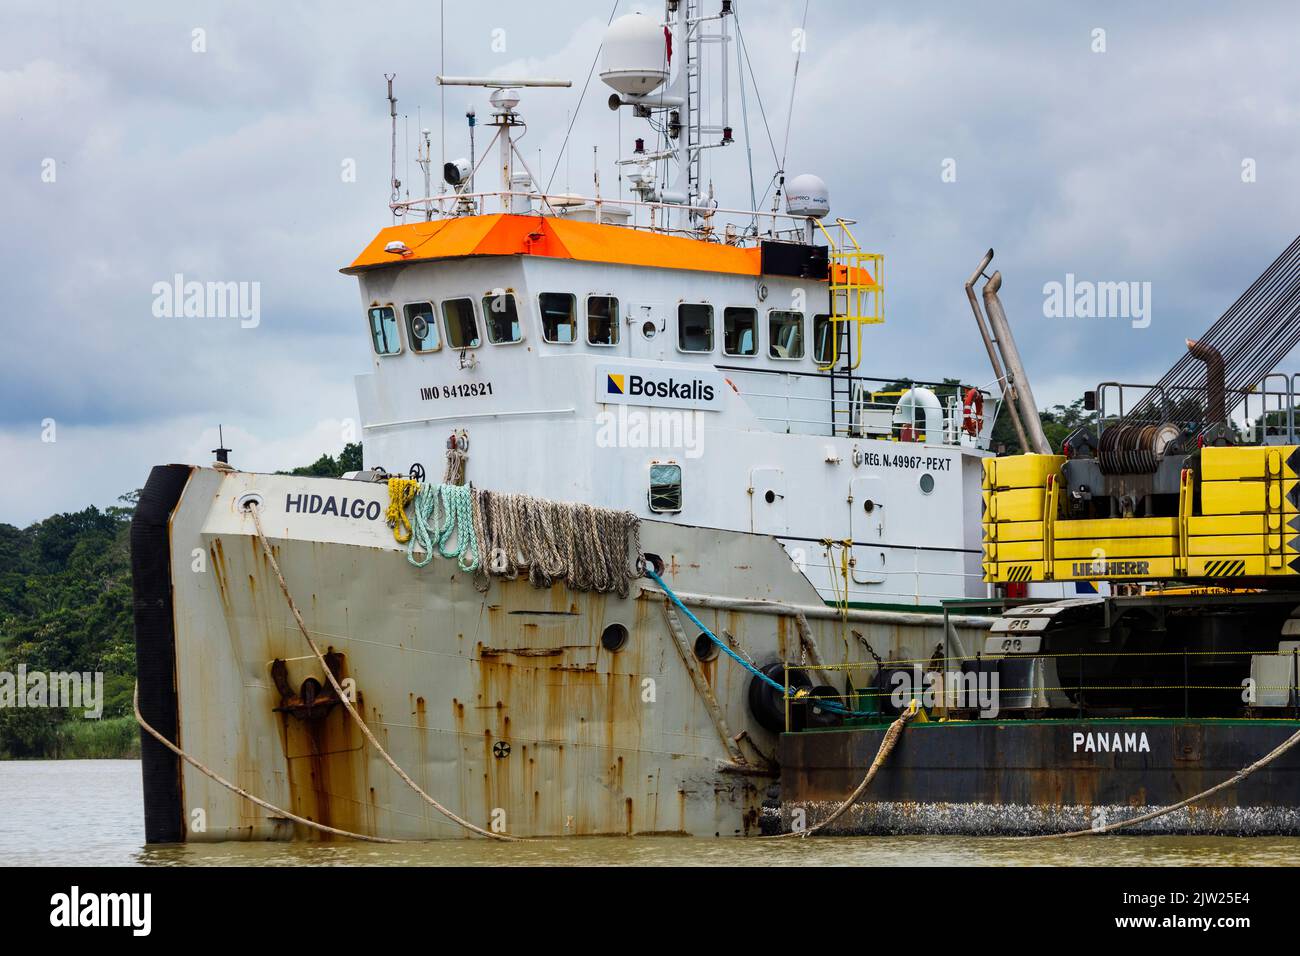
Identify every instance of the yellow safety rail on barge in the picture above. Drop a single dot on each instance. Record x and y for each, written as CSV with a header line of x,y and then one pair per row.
x,y
1239,518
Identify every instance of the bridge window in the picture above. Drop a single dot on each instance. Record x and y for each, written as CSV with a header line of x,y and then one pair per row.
x,y
501,316
695,327
558,322
739,331
665,488
462,329
383,330
421,327
785,334
823,339
602,320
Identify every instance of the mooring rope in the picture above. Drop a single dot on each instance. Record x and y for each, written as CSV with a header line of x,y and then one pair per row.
x,y
456,507
457,458
1236,778
252,509
422,508
400,493
586,547
831,705
887,744
233,788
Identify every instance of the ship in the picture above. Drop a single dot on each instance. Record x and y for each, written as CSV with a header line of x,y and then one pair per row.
x,y
638,547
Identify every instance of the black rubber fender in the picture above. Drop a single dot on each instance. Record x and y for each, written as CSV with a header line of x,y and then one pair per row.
x,y
155,649
766,703
818,716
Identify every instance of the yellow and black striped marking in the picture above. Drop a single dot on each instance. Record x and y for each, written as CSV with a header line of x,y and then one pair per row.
x,y
1020,572
1229,568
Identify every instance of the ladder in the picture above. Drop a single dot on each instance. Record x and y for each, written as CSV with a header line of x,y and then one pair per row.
x,y
856,291
692,53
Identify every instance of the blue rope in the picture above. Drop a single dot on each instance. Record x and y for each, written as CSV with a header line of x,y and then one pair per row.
x,y
830,705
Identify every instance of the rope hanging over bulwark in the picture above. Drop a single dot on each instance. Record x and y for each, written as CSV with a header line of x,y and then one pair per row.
x,y
494,534
400,493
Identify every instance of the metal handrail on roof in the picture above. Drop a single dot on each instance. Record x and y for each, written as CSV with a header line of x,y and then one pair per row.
x,y
454,205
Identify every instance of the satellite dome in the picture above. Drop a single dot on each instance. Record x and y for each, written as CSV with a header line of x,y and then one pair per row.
x,y
635,58
807,195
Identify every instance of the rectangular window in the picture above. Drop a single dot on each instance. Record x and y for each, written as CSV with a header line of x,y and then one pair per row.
x,y
502,317
785,334
458,319
421,327
602,320
383,330
665,488
739,331
558,322
695,327
823,339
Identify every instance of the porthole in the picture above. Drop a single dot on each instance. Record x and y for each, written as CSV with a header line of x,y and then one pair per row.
x,y
648,329
868,506
927,483
706,649
614,637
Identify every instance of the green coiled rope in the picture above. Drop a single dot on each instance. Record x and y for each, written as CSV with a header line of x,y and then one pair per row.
x,y
445,514
422,508
458,523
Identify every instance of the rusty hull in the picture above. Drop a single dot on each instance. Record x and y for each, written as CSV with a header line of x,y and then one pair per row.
x,y
503,705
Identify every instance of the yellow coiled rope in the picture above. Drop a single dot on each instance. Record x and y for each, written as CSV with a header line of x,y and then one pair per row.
x,y
401,492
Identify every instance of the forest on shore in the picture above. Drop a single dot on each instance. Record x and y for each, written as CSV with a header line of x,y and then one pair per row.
x,y
66,607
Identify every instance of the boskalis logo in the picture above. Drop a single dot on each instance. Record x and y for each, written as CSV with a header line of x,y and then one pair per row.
x,y
638,386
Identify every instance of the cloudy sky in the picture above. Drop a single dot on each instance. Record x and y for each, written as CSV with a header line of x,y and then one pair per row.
x,y
133,148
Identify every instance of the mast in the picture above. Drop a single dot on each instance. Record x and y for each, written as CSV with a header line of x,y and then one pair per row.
x,y
639,62
504,99
392,113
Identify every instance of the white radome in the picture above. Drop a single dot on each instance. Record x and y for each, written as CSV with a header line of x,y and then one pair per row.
x,y
807,195
635,56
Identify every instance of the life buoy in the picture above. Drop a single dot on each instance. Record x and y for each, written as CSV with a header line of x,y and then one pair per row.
x,y
972,412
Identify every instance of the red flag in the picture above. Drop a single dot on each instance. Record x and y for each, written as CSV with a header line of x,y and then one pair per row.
x,y
668,42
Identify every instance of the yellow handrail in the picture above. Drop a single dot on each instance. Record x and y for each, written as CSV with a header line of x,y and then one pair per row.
x,y
852,300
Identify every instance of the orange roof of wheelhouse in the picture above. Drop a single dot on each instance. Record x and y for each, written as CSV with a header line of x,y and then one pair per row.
x,y
502,234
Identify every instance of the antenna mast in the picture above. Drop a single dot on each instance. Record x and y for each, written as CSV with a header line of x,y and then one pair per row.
x,y
424,157
640,55
504,99
392,113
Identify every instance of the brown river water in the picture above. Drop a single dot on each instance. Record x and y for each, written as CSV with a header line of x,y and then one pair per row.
x,y
88,813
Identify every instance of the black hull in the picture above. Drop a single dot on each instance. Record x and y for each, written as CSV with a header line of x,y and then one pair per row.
x,y
1003,778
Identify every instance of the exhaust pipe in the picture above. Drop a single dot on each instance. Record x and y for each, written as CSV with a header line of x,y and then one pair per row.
x,y
1024,396
1216,407
1008,387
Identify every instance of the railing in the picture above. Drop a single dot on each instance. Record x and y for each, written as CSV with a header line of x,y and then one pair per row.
x,y
946,689
852,299
863,424
562,205
1279,424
